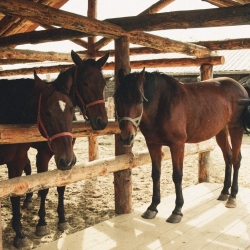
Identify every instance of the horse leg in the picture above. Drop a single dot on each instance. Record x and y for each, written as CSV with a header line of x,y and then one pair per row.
x,y
28,199
42,161
222,141
236,135
177,153
62,224
20,239
156,156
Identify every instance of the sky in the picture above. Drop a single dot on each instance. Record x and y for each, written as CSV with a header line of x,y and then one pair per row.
x,y
121,8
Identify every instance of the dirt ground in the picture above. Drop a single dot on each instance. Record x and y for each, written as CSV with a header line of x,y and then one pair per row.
x,y
92,201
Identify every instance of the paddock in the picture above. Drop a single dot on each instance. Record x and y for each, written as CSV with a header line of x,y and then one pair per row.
x,y
207,224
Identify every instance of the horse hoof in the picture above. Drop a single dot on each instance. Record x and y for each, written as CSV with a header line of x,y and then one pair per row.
x,y
149,214
231,202
63,226
223,197
42,230
27,205
174,218
23,244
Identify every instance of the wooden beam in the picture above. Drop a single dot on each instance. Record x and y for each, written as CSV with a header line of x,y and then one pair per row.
x,y
236,15
10,53
222,3
56,178
29,132
179,62
42,36
151,10
51,16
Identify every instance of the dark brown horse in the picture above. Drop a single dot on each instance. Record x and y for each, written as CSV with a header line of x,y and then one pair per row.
x,y
171,113
28,101
86,91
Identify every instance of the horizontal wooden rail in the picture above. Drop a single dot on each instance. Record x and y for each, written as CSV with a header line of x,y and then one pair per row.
x,y
25,184
29,132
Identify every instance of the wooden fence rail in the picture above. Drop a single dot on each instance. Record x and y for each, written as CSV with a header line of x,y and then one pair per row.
x,y
24,184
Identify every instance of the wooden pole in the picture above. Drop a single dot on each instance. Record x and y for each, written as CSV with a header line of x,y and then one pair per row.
x,y
1,228
93,140
122,179
206,71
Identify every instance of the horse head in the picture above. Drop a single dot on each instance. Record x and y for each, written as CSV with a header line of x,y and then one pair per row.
x,y
55,115
90,85
129,104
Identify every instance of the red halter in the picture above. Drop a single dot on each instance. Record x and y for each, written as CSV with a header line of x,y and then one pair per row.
x,y
40,122
85,106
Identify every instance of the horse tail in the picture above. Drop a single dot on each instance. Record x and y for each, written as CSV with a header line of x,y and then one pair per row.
x,y
245,115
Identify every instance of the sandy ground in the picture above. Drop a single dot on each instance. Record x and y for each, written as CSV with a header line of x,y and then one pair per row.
x,y
92,201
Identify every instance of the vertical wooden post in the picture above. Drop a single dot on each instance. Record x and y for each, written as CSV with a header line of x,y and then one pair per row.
x,y
206,71
122,179
93,140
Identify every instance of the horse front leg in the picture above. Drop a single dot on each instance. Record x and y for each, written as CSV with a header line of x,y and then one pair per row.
x,y
42,162
177,153
156,157
27,203
62,224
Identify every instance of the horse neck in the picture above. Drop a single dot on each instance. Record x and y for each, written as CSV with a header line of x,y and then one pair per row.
x,y
18,101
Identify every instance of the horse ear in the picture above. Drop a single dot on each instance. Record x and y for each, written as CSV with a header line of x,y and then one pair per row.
x,y
101,61
120,75
76,58
140,78
39,83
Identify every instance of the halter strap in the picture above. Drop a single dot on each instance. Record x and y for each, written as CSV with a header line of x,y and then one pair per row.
x,y
136,121
40,122
85,106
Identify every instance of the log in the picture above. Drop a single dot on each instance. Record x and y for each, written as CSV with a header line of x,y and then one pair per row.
x,y
179,62
222,3
30,133
152,9
32,183
45,14
41,36
206,72
122,178
229,16
11,53
12,25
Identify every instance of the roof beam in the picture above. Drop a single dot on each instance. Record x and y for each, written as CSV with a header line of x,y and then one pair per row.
x,y
41,36
174,62
48,15
229,16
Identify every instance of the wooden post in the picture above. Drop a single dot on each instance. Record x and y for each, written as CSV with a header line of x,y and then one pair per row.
x,y
93,140
206,71
122,179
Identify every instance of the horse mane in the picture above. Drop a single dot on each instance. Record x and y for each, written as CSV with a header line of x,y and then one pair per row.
x,y
129,92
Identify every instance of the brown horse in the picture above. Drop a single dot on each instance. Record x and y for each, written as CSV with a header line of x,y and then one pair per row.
x,y
27,101
86,91
171,113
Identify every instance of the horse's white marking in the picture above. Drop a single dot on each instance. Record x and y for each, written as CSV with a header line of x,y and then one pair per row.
x,y
62,105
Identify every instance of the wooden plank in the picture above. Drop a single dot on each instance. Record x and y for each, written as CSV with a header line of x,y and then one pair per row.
x,y
130,231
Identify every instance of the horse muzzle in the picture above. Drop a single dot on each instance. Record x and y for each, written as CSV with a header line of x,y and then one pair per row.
x,y
127,140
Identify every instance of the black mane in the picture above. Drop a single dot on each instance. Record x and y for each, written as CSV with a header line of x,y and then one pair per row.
x,y
129,93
